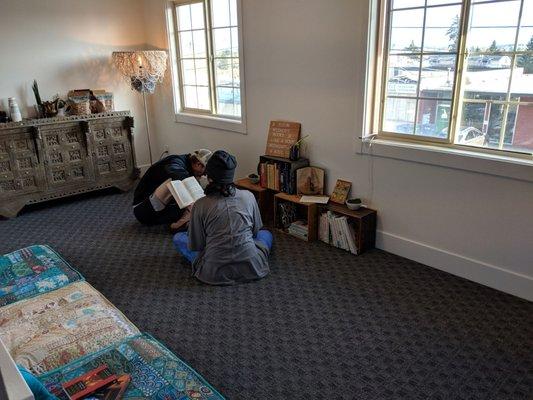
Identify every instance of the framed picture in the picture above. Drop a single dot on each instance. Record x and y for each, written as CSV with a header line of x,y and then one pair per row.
x,y
310,180
340,193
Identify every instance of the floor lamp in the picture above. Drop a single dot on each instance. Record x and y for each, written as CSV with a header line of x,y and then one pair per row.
x,y
143,69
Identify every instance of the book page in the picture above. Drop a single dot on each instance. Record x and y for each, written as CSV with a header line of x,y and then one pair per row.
x,y
194,188
314,199
180,193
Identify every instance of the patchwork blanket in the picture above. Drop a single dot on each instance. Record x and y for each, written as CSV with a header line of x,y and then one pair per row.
x,y
50,330
156,373
31,271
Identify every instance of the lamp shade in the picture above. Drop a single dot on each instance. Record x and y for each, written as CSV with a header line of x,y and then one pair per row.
x,y
143,68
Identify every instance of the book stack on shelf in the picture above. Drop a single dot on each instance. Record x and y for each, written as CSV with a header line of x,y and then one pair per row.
x,y
299,229
336,230
279,174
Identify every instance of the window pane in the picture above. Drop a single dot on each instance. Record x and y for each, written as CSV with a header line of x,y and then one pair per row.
x,y
481,125
399,115
407,3
184,17
406,32
189,94
233,12
223,73
433,118
522,136
222,42
236,73
487,77
402,77
186,47
188,71
442,29
437,2
199,44
525,39
237,102
234,42
221,13
493,26
522,83
202,77
204,102
437,76
225,101
197,16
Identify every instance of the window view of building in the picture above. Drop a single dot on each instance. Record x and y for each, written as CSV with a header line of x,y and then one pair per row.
x,y
207,38
472,60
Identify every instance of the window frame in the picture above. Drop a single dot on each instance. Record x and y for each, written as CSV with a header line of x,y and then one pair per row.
x,y
205,118
380,16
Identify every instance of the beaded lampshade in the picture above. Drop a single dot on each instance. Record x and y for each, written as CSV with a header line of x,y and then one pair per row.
x,y
143,68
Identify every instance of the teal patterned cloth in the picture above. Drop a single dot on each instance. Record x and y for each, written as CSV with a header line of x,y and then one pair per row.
x,y
31,271
156,373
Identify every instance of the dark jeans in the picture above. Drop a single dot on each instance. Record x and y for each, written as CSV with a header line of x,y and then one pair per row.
x,y
145,213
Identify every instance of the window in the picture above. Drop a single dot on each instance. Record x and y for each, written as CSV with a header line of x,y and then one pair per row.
x,y
207,57
458,73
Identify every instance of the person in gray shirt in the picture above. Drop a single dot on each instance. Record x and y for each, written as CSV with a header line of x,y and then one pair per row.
x,y
225,242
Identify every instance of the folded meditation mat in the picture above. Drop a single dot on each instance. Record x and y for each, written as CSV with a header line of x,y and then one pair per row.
x,y
54,328
156,373
31,271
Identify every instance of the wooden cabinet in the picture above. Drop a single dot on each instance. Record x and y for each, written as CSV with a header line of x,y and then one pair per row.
x,y
50,158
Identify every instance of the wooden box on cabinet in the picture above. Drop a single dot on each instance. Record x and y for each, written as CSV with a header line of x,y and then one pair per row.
x,y
50,158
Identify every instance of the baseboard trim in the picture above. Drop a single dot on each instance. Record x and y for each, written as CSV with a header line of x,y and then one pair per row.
x,y
456,264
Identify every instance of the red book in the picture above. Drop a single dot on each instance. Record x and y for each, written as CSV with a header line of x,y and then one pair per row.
x,y
88,383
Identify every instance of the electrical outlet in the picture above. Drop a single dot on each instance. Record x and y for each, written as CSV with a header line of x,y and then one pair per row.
x,y
165,148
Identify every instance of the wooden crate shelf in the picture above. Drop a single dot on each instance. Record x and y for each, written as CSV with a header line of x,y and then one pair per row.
x,y
309,210
364,220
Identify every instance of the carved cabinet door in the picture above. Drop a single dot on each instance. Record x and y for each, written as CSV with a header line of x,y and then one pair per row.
x,y
66,155
20,171
111,147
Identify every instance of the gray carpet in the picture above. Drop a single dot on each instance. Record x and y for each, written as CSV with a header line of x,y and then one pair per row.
x,y
323,325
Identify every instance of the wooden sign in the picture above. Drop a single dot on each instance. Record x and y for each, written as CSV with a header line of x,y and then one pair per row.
x,y
281,136
340,193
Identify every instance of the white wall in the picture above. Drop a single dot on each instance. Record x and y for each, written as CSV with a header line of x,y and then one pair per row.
x,y
305,61
66,45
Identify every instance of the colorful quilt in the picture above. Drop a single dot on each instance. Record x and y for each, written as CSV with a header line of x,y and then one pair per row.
x,y
31,271
156,373
50,330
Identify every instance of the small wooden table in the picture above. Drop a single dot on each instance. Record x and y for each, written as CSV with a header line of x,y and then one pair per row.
x,y
309,212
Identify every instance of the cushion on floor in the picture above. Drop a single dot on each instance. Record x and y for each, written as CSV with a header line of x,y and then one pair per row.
x,y
50,330
156,373
31,271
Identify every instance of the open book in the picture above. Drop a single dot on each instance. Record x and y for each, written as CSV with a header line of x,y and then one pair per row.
x,y
186,191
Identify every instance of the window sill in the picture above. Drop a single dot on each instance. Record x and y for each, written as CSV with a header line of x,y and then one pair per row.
x,y
209,121
490,164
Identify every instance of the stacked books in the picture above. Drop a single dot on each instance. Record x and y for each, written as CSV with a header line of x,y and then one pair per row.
x,y
272,175
279,174
335,229
299,229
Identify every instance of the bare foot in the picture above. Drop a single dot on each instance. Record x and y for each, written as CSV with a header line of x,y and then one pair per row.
x,y
162,192
183,221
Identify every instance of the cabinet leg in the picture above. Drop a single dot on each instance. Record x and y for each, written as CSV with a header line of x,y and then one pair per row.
x,y
12,209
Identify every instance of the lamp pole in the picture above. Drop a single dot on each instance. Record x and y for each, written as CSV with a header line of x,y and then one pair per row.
x,y
147,126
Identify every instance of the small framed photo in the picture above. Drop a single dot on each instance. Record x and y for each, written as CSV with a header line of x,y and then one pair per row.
x,y
340,193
